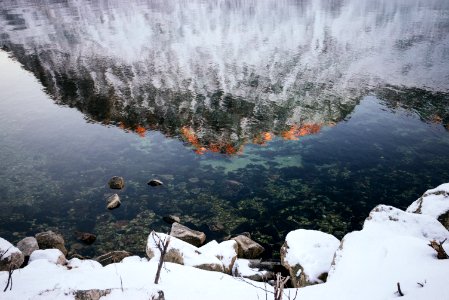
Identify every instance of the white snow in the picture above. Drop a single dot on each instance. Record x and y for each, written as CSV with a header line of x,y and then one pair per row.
x,y
6,248
434,202
242,269
224,251
313,250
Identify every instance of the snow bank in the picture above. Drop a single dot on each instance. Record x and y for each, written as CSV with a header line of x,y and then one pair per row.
x,y
51,255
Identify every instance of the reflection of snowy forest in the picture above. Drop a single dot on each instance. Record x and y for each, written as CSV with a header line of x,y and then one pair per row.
x,y
269,64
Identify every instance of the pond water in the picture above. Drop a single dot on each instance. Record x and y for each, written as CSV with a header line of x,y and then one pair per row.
x,y
258,116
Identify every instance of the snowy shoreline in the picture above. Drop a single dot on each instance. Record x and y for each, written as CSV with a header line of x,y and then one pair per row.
x,y
391,251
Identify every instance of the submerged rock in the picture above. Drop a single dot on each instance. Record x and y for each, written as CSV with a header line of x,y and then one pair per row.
x,y
116,183
28,245
51,240
112,257
308,255
155,182
170,219
113,202
247,248
435,203
86,237
188,235
10,256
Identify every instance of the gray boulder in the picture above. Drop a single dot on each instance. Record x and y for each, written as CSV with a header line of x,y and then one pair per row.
x,y
51,240
247,248
28,245
10,256
188,235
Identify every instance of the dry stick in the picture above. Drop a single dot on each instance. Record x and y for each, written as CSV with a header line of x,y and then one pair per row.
x,y
9,279
438,247
162,245
399,290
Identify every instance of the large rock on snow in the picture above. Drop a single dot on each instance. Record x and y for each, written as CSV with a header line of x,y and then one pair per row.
x,y
435,203
112,257
51,240
308,255
247,248
188,235
226,252
28,245
182,253
54,256
10,257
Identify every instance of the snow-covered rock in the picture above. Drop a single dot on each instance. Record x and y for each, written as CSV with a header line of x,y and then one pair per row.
x,y
10,256
226,252
188,235
308,255
182,253
247,248
51,255
242,268
435,203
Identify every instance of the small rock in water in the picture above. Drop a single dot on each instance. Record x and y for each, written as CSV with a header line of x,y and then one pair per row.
x,y
117,183
170,219
155,182
216,227
113,202
85,237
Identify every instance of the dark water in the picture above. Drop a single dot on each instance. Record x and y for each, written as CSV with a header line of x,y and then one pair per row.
x,y
259,116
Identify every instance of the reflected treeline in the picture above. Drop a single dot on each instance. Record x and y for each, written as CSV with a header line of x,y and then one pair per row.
x,y
221,74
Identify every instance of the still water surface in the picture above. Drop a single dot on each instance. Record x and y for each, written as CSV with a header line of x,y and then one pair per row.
x,y
259,116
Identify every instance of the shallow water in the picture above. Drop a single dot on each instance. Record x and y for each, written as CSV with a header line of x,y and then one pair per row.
x,y
259,116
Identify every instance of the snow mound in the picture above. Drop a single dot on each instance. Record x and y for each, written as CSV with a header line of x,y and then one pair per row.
x,y
51,255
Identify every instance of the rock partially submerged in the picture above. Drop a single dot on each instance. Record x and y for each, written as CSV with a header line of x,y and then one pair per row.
x,y
170,219
155,182
113,202
51,240
308,255
247,248
116,183
188,235
11,258
435,203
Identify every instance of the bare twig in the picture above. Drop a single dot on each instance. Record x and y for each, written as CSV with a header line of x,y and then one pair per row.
x,y
162,245
399,290
9,283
